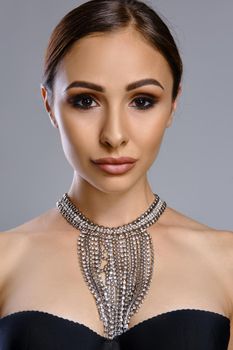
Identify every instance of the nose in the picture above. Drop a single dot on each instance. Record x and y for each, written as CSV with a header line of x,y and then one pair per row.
x,y
114,130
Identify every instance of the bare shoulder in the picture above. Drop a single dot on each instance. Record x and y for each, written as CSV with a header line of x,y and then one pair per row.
x,y
16,240
219,241
175,218
19,241
12,246
45,223
216,245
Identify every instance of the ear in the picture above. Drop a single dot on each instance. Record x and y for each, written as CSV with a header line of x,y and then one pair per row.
x,y
44,94
174,106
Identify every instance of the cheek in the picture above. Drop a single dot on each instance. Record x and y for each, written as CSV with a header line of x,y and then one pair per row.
x,y
151,144
151,138
74,139
75,145
151,134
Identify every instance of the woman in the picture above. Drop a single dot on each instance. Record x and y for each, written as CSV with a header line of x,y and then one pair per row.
x,y
148,276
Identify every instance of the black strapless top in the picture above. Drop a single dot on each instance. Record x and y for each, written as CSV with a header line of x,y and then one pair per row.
x,y
184,329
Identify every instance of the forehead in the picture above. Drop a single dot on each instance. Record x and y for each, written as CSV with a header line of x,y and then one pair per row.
x,y
114,59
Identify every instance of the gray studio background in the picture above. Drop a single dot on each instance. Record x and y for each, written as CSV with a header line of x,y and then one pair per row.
x,y
194,169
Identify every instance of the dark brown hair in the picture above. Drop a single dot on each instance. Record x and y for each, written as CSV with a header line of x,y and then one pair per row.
x,y
109,16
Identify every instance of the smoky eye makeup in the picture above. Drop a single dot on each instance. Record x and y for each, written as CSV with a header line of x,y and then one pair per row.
x,y
81,101
86,101
145,101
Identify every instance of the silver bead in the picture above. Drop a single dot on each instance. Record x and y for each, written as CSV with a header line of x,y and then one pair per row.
x,y
116,262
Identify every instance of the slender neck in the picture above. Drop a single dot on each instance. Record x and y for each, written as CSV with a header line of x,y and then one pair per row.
x,y
111,208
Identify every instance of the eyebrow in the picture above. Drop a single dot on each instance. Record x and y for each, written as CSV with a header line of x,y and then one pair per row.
x,y
129,87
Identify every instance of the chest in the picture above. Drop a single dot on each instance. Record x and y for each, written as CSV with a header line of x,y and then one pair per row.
x,y
48,278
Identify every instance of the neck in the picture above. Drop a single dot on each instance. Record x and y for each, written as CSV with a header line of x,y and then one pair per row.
x,y
113,208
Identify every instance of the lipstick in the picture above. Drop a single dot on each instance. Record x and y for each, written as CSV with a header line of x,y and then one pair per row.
x,y
115,166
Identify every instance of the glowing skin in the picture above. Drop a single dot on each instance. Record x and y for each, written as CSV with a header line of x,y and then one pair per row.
x,y
115,125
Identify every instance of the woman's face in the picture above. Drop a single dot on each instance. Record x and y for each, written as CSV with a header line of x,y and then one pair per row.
x,y
117,121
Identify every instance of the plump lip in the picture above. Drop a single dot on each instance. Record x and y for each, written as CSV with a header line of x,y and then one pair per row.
x,y
111,160
115,169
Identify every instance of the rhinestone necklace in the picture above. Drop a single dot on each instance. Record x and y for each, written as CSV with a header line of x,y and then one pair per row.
x,y
116,262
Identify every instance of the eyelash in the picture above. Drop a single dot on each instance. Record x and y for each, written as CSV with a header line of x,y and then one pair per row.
x,y
73,101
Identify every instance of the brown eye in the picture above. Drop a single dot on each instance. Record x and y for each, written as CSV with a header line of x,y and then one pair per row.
x,y
145,102
82,101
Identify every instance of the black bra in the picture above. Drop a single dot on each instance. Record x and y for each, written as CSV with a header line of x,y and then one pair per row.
x,y
182,329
